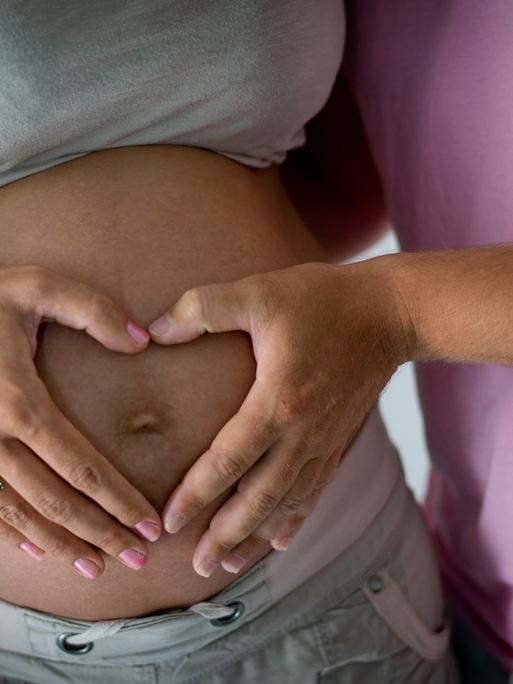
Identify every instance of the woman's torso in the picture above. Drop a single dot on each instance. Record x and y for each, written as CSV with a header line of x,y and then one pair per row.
x,y
143,224
144,221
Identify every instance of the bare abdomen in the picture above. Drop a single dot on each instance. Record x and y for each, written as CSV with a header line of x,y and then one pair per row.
x,y
143,224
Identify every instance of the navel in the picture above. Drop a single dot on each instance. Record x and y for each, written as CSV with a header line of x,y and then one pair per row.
x,y
145,421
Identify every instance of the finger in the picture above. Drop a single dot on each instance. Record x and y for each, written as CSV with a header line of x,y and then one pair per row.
x,y
56,441
219,307
10,536
44,536
52,498
285,521
257,495
277,527
44,295
241,442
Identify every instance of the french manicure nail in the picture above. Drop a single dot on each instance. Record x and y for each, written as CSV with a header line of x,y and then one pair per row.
x,y
133,558
174,522
137,333
206,567
32,550
233,563
86,568
161,325
280,543
149,529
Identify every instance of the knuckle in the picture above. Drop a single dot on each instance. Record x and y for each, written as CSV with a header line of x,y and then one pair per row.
x,y
255,540
319,486
194,502
288,472
85,477
17,413
54,509
221,540
289,407
192,304
229,467
102,305
264,300
262,502
6,533
258,539
15,514
57,546
313,435
37,279
290,505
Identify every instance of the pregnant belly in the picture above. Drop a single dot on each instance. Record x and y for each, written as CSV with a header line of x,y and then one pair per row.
x,y
143,224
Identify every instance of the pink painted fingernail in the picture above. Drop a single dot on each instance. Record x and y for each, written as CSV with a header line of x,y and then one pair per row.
x,y
86,568
280,543
32,550
206,567
137,333
133,558
149,529
233,563
174,522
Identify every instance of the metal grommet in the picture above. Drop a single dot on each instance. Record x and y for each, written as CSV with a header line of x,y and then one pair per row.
x,y
375,584
239,609
78,649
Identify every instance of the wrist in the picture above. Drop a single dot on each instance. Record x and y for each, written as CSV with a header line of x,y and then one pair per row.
x,y
385,288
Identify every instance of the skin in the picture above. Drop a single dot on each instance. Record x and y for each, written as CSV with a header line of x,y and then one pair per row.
x,y
57,301
149,414
452,306
78,476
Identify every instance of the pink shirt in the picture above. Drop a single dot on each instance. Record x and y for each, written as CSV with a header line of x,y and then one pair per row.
x,y
434,81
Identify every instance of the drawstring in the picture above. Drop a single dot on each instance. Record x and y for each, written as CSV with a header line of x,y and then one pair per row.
x,y
100,630
106,628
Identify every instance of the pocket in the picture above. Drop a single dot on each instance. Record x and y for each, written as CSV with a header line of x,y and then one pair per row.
x,y
392,605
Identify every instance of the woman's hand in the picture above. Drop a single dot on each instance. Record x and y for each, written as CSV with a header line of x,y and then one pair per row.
x,y
59,495
326,340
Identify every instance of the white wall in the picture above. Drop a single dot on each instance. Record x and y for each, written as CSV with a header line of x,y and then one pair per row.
x,y
399,404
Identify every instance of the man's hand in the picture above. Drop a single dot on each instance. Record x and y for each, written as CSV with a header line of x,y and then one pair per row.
x,y
326,340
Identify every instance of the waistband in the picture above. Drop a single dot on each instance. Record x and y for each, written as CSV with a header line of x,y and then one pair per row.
x,y
177,633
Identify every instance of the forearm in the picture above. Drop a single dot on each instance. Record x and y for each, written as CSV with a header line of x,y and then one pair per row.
x,y
456,305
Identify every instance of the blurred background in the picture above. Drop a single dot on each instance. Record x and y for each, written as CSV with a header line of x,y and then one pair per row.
x,y
399,402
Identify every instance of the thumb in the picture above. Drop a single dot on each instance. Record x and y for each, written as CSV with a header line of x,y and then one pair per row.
x,y
207,308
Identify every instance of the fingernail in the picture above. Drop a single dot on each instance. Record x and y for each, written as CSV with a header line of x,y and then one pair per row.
x,y
161,325
174,522
206,567
149,529
280,543
233,563
32,550
133,558
137,333
86,568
